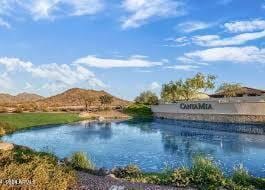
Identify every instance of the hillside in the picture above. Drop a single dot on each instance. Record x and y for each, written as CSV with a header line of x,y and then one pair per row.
x,y
73,97
20,98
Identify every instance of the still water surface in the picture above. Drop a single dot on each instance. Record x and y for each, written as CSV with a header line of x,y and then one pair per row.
x,y
151,145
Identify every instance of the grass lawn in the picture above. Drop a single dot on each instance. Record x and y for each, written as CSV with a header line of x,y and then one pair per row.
x,y
24,120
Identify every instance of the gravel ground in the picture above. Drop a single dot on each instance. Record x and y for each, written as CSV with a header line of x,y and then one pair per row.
x,y
91,182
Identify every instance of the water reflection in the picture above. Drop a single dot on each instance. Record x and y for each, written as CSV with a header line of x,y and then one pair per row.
x,y
184,135
149,144
101,130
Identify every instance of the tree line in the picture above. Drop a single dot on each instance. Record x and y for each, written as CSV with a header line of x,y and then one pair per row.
x,y
88,100
188,89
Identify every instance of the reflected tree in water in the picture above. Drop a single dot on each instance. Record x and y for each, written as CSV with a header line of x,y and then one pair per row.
x,y
101,130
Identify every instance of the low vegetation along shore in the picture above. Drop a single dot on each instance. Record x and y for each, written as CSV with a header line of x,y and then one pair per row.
x,y
37,169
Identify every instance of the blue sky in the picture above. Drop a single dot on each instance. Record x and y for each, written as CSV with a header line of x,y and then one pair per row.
x,y
127,46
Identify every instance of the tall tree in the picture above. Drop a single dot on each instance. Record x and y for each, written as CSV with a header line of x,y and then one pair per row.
x,y
147,98
105,100
187,89
88,101
229,90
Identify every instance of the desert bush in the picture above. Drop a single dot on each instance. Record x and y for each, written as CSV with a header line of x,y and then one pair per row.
x,y
206,174
18,110
2,131
3,110
31,107
41,171
44,109
180,177
130,171
79,160
54,109
63,109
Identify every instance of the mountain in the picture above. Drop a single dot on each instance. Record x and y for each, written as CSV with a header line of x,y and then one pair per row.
x,y
20,98
28,97
73,97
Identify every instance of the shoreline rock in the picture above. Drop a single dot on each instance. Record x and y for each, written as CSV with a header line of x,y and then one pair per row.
x,y
4,146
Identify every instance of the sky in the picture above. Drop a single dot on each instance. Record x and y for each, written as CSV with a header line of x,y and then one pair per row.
x,y
128,46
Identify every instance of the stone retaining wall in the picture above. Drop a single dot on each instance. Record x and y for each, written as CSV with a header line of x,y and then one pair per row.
x,y
221,118
233,123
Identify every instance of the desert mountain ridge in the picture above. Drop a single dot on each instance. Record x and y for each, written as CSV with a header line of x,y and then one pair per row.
x,y
21,97
71,97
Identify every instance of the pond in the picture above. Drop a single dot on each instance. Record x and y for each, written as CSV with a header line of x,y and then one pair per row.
x,y
151,145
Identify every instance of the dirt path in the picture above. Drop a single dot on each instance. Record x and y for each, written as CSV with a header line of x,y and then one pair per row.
x,y
91,182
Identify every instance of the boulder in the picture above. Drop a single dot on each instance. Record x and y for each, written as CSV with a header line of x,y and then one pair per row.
x,y
103,171
100,119
112,176
6,146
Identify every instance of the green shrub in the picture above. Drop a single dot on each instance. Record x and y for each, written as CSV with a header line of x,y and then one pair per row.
x,y
155,179
180,177
138,111
79,160
130,171
242,177
147,98
230,185
41,170
206,174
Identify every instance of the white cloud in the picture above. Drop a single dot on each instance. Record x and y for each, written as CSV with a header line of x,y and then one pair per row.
x,y
183,67
5,82
54,86
140,11
154,86
181,41
192,26
85,7
4,23
60,75
50,9
133,61
190,61
216,40
248,54
28,86
14,63
245,26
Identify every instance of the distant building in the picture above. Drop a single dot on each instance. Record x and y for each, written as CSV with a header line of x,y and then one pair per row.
x,y
245,91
